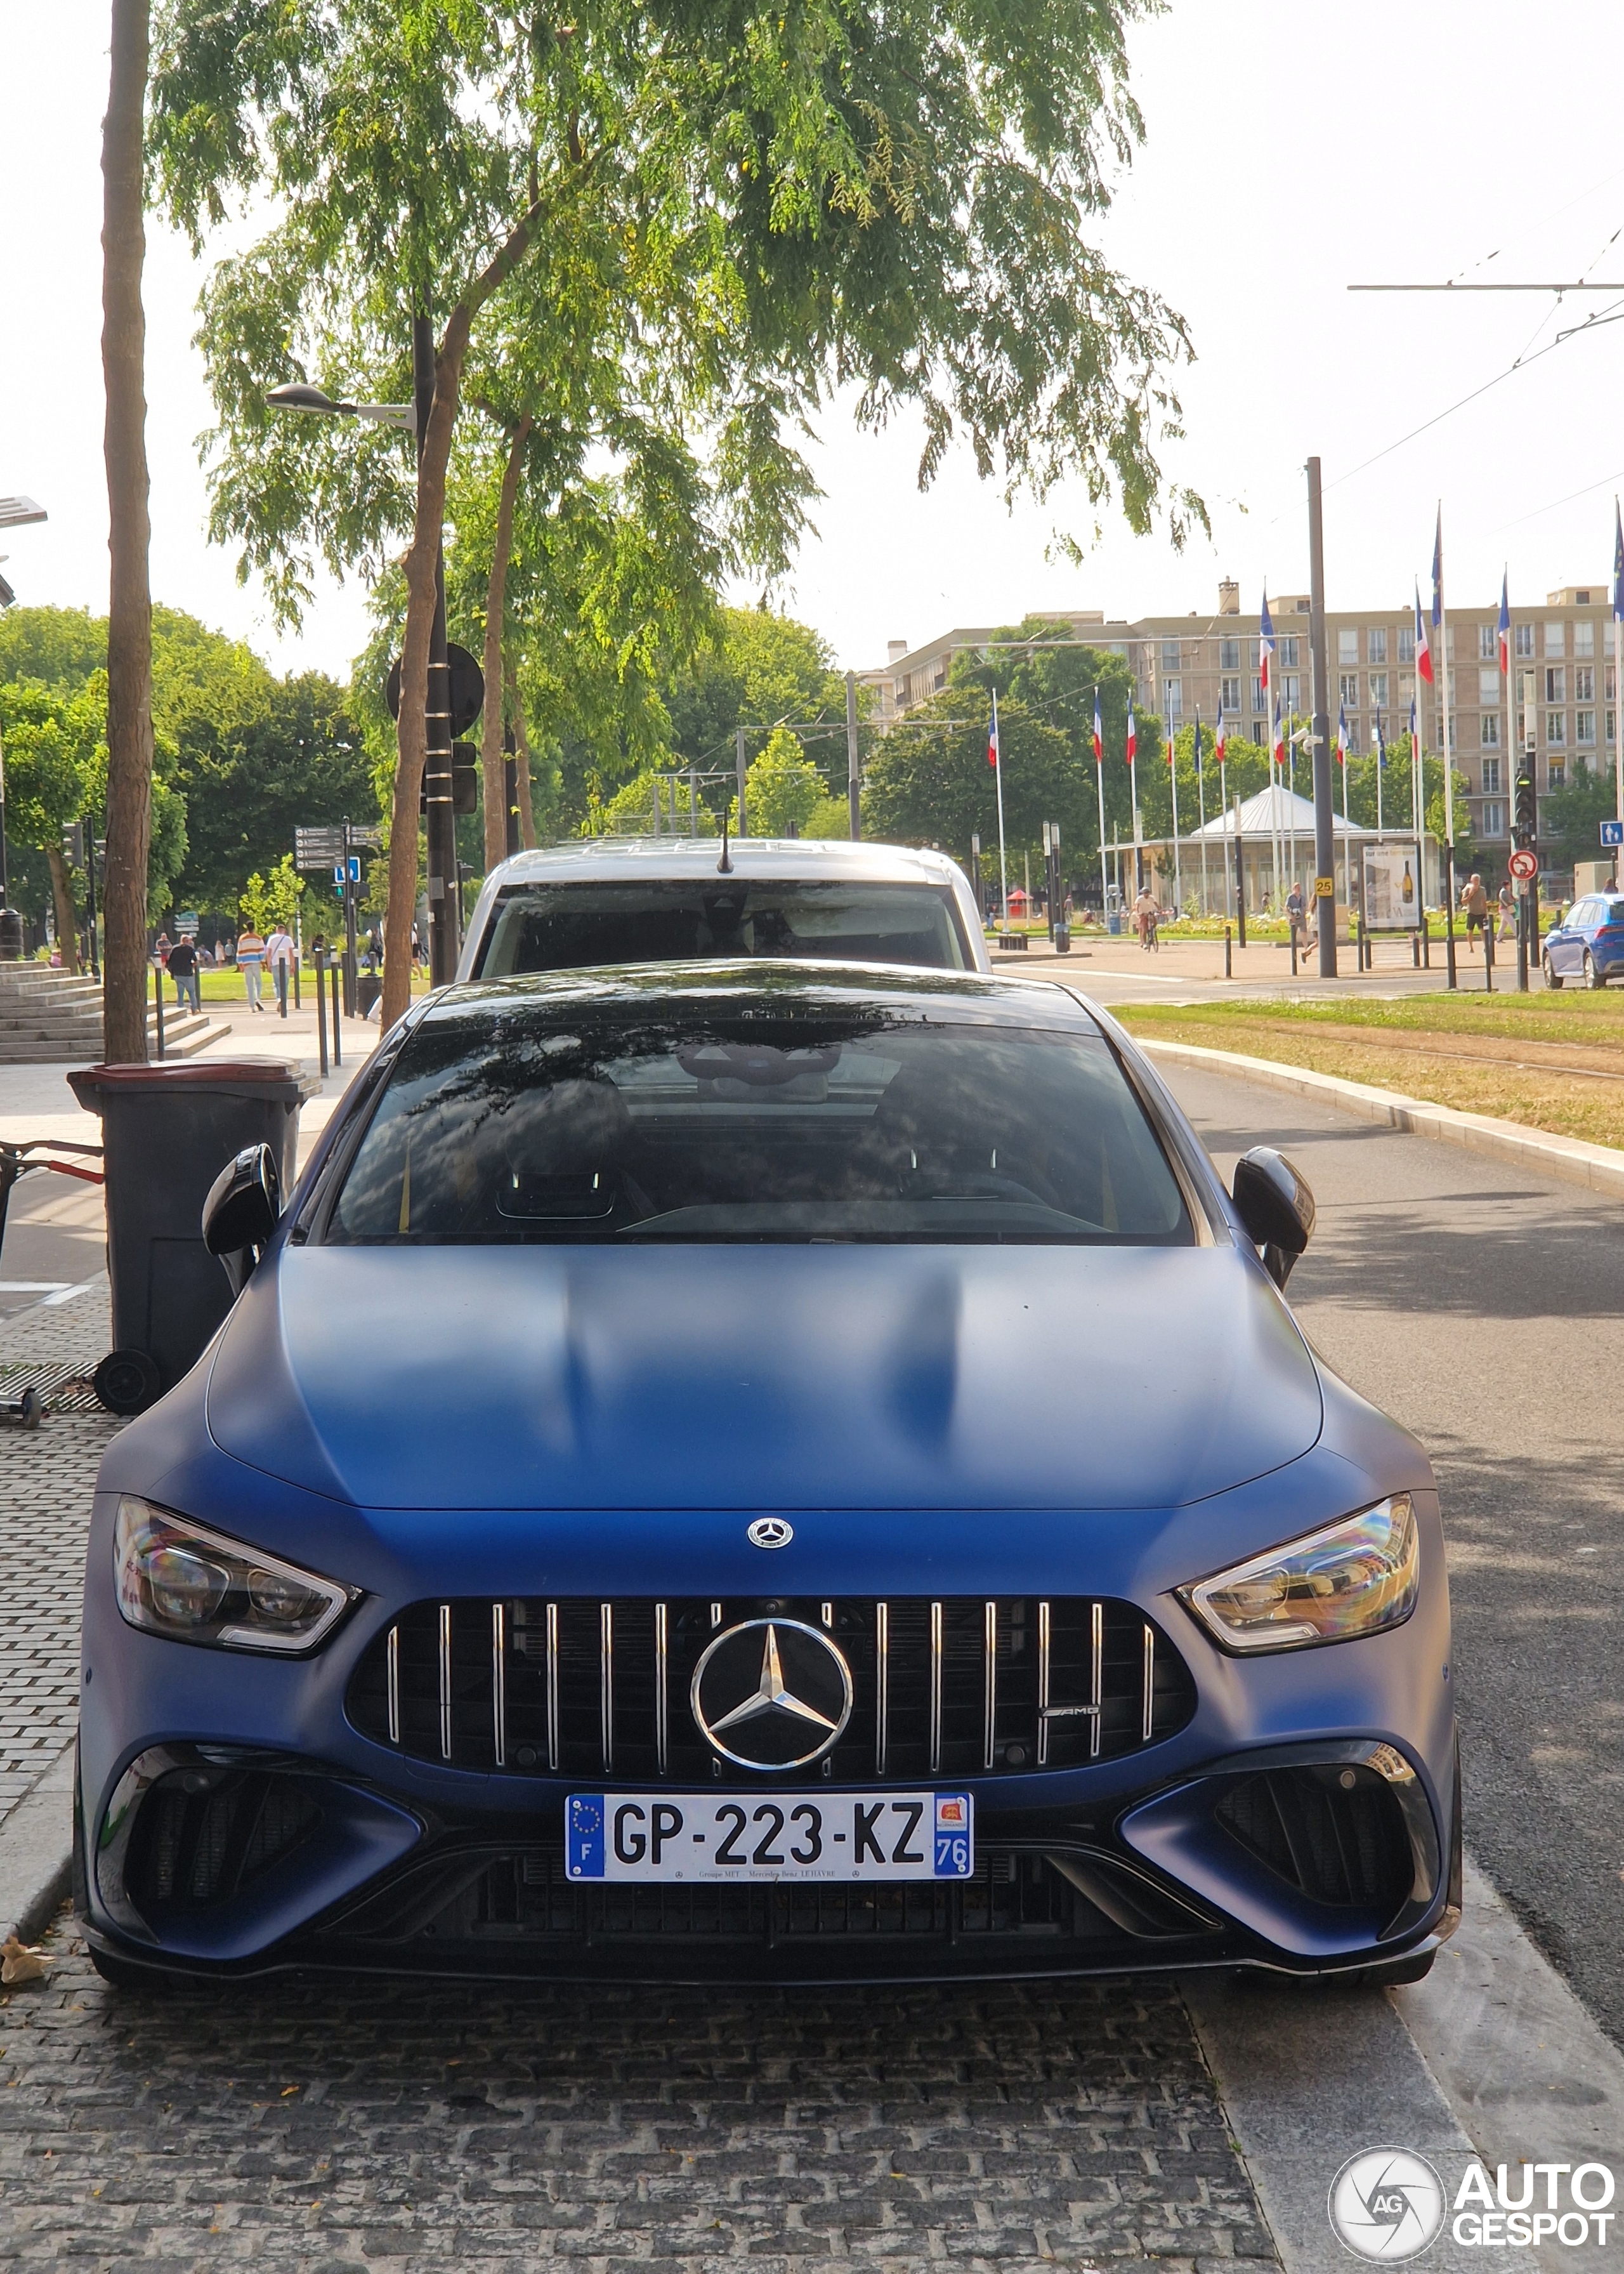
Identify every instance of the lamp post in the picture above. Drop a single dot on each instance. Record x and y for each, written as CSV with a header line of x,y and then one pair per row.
x,y
445,928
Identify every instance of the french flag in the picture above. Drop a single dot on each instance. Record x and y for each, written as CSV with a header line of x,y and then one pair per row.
x,y
1424,646
1342,736
1099,739
992,739
1266,644
1133,743
1279,752
1218,738
1503,629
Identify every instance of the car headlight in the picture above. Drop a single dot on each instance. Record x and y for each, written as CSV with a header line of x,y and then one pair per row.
x,y
176,1578
1352,1579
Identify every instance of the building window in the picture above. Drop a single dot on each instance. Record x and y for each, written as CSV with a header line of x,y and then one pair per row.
x,y
1376,646
1257,694
1348,644
1230,694
1229,655
1522,638
1493,818
1491,777
1556,639
1350,696
1170,655
1173,699
1612,723
1287,651
1584,682
1556,774
1406,645
1488,730
1556,729
1455,740
1556,684
1610,684
1488,689
1486,643
1584,727
1406,688
1585,637
1291,687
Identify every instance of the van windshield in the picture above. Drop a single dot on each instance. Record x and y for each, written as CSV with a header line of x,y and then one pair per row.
x,y
691,1122
567,927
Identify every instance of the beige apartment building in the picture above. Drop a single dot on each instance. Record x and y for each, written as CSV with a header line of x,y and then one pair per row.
x,y
1564,679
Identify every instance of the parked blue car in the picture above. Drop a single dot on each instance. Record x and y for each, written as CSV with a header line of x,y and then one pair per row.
x,y
764,1470
1589,943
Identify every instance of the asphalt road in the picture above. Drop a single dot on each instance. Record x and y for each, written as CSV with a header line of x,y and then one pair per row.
x,y
1482,1306
56,1238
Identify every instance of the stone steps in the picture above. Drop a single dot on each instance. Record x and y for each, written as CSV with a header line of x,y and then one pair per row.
x,y
49,1018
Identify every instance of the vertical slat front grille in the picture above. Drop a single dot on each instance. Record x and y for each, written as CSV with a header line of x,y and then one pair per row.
x,y
595,1689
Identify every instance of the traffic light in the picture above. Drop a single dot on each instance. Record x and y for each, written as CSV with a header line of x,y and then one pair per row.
x,y
1528,808
73,843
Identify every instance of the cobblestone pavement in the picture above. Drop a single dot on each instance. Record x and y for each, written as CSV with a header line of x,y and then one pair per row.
x,y
339,2129
46,1479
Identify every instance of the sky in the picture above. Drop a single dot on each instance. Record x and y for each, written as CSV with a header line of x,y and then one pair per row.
x,y
1289,152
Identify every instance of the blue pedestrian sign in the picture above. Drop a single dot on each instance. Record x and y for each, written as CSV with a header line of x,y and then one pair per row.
x,y
1613,833
353,870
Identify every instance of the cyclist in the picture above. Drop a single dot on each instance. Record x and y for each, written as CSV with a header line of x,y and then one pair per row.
x,y
1146,914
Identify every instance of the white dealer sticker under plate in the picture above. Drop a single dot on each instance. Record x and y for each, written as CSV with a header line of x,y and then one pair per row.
x,y
773,1835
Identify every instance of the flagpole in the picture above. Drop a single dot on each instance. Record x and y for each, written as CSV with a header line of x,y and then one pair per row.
x,y
1443,685
1201,790
1099,778
1139,819
1004,874
1179,874
1617,663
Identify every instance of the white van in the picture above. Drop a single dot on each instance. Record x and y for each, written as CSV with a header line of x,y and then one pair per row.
x,y
646,899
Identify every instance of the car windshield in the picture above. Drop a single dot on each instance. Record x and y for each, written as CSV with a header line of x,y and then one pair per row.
x,y
853,1122
567,927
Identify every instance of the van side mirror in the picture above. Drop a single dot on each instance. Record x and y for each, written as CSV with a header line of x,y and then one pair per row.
x,y
1276,1207
241,1212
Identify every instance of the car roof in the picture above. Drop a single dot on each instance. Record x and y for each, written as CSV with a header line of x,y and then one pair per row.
x,y
934,995
600,858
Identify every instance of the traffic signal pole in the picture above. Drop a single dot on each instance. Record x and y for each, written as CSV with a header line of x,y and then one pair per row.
x,y
1324,812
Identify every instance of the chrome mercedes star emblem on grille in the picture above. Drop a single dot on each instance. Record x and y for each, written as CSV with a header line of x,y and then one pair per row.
x,y
772,1694
770,1531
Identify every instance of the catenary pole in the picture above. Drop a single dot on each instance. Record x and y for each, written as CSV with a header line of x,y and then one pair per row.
x,y
1200,792
1178,877
1441,611
1324,819
1099,776
854,779
439,814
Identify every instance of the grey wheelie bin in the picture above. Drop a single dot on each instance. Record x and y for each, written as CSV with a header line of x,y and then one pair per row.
x,y
168,1131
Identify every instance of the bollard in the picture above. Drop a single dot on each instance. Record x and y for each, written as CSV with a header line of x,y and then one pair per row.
x,y
1228,969
1293,930
338,1055
321,1010
158,993
1415,949
1488,959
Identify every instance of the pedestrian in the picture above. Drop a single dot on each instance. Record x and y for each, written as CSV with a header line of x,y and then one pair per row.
x,y
1507,913
279,958
1296,920
183,972
251,963
1475,900
375,950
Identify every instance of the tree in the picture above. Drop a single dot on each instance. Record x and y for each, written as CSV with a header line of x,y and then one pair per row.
x,y
268,902
930,783
129,646
737,210
783,789
1570,818
51,739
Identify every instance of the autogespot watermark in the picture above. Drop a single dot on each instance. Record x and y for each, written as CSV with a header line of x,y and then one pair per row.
x,y
1389,2204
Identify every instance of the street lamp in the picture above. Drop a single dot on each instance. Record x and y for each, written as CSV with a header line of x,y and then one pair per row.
x,y
445,926
15,513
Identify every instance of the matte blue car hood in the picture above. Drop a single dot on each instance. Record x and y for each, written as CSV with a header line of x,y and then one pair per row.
x,y
764,1377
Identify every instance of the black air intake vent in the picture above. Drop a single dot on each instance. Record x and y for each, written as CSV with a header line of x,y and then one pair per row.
x,y
1335,1833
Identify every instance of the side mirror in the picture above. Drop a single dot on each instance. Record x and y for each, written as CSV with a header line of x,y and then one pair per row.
x,y
1275,1206
241,1211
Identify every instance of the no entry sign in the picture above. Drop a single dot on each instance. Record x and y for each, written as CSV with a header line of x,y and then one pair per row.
x,y
1523,863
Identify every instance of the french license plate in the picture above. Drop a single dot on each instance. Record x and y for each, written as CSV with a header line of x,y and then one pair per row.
x,y
772,1835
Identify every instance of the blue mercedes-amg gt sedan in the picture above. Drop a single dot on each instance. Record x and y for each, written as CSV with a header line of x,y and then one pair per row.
x,y
764,1470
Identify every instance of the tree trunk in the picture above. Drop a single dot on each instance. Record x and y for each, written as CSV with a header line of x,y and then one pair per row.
x,y
67,923
411,732
515,713
129,627
493,764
